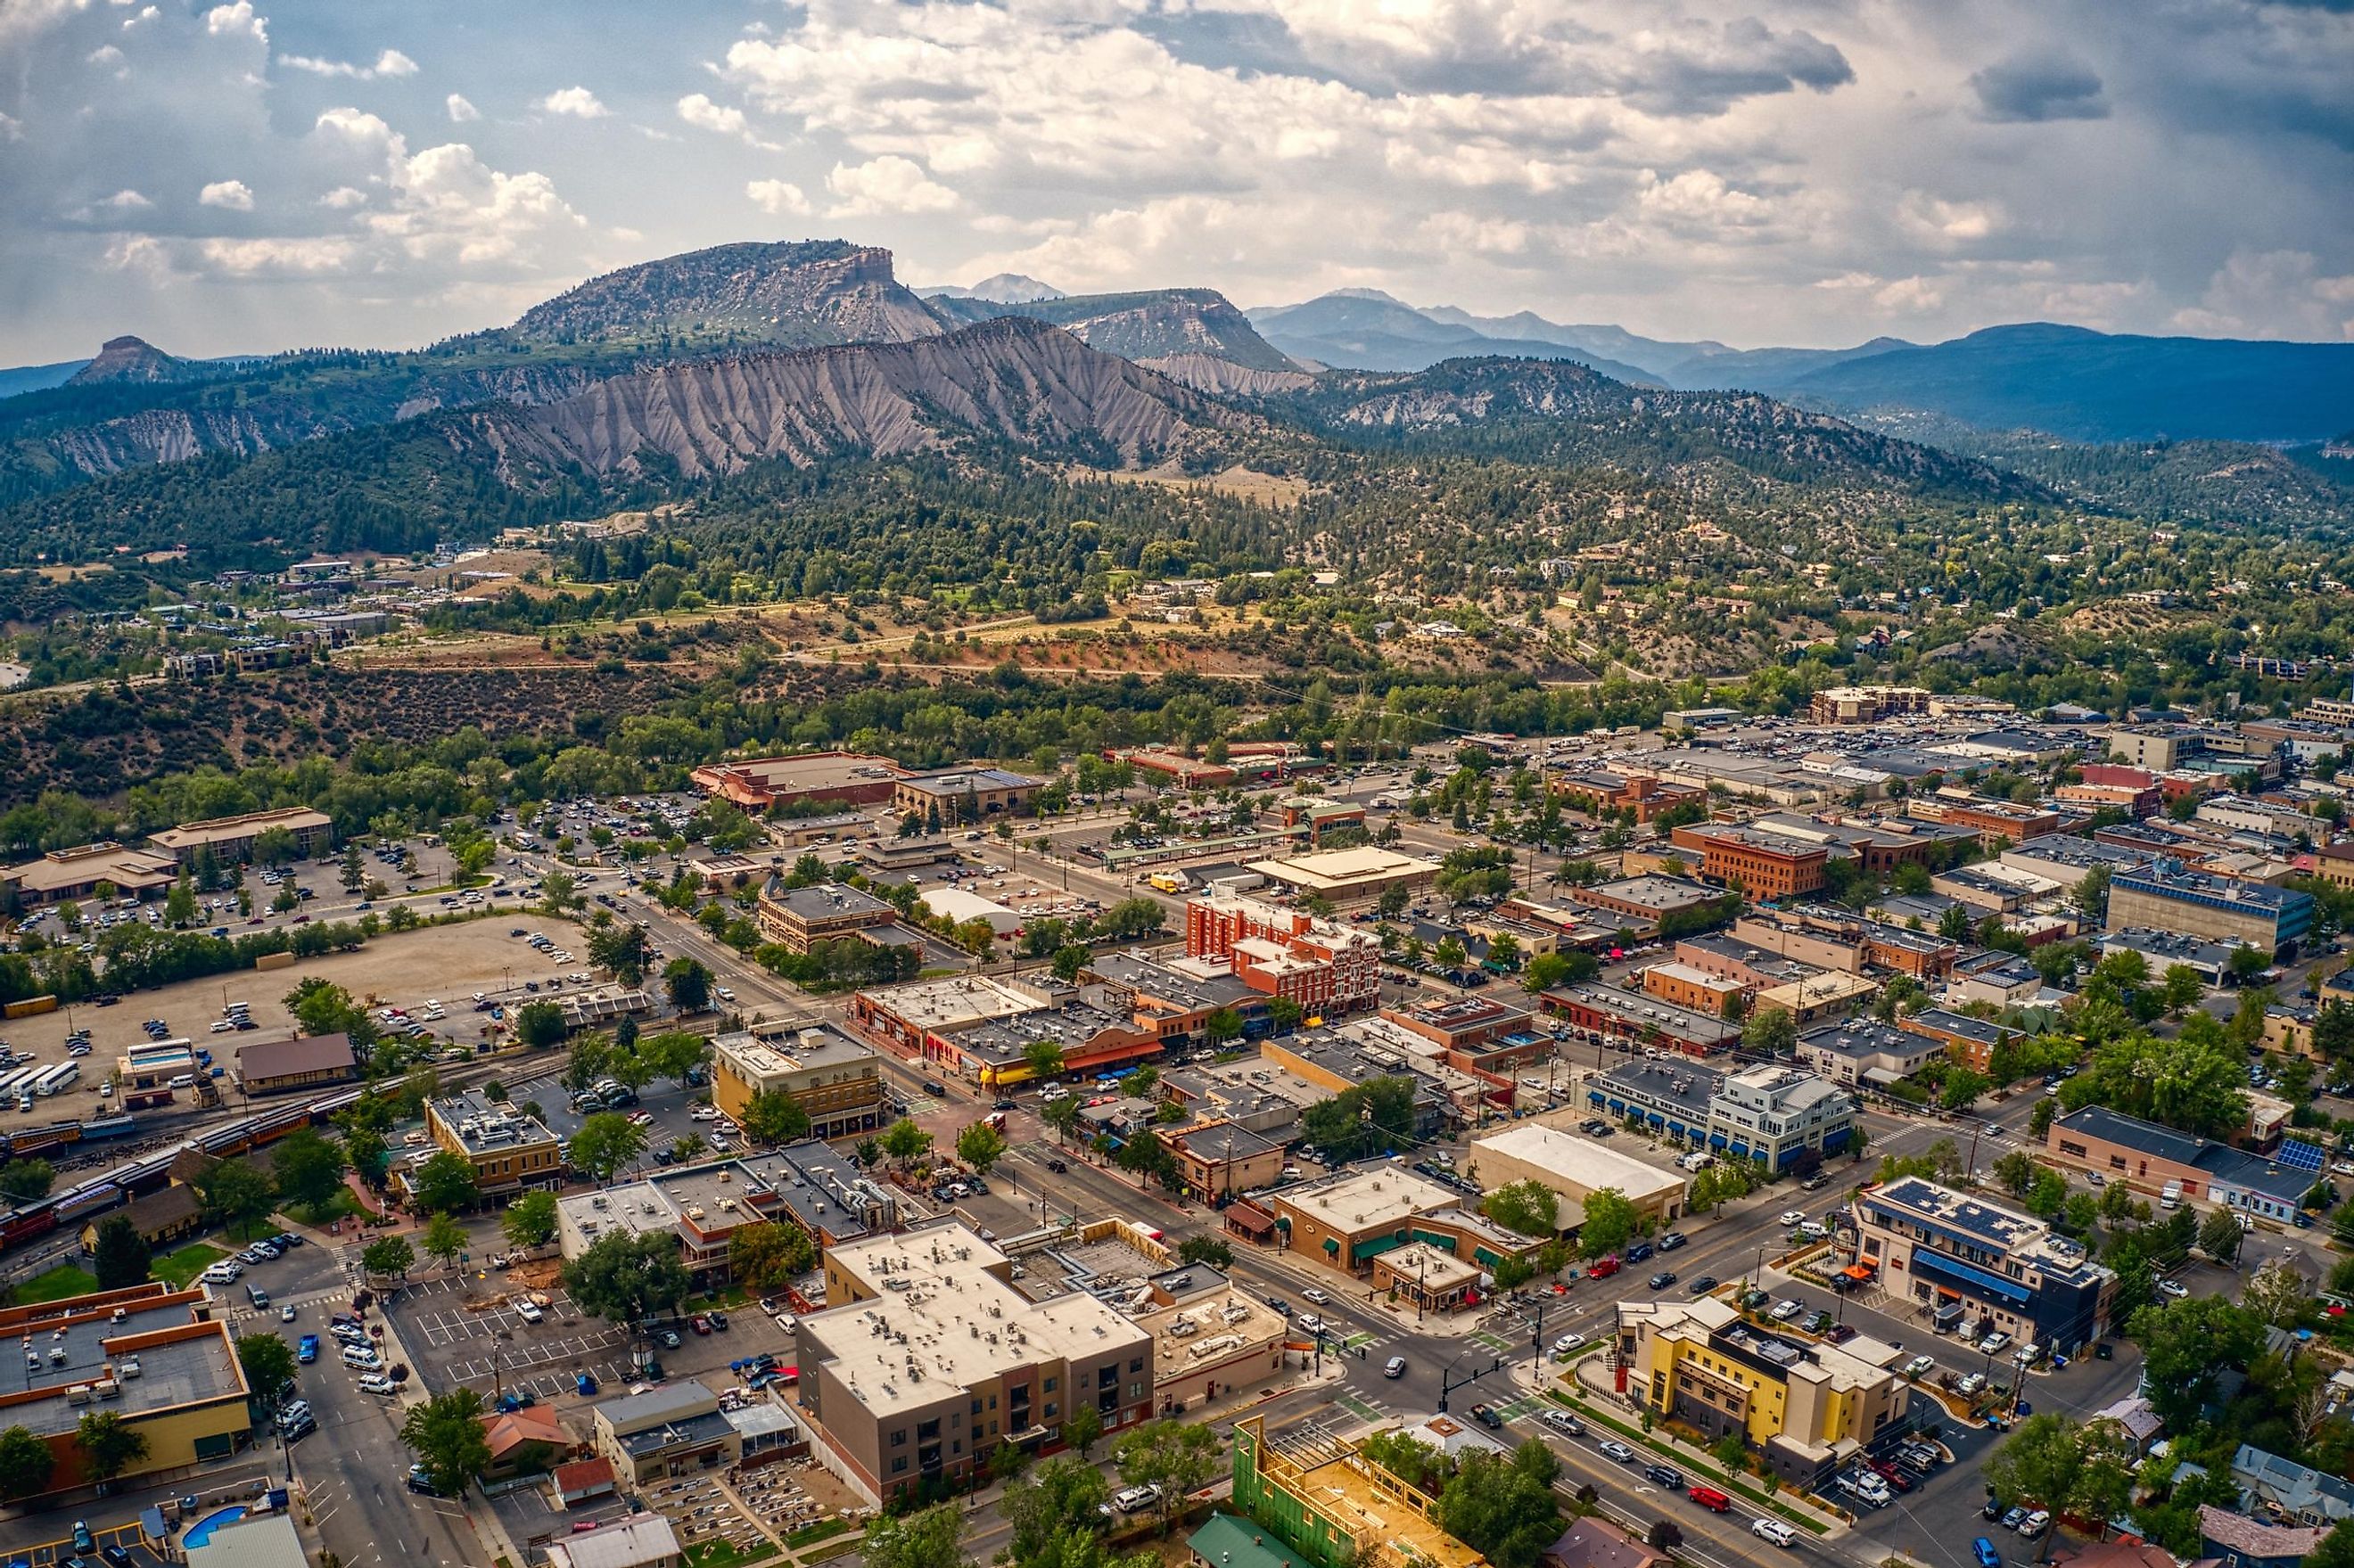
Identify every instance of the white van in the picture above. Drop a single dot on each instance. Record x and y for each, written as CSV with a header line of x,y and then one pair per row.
x,y
1698,1159
362,1357
2170,1196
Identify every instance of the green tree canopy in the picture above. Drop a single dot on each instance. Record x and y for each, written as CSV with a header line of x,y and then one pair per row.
x,y
447,1436
530,1220
1530,1207
123,1254
268,1363
769,1255
1503,1506
981,1146
774,1117
310,1170
605,1144
1611,1221
446,1183
26,1464
623,1278
389,1257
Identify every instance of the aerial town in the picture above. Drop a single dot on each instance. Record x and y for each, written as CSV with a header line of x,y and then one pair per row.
x,y
1737,1130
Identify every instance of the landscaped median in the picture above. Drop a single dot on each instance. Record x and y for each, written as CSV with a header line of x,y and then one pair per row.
x,y
1692,1462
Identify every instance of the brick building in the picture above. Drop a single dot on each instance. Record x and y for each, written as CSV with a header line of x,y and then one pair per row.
x,y
1324,968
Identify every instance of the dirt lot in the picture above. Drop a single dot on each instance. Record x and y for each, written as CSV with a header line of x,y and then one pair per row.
x,y
450,962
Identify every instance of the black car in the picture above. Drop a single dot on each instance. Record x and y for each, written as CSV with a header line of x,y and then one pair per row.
x,y
1638,1252
1282,1308
1662,1279
1485,1416
1672,1240
1006,1105
1666,1476
1993,1509
114,1556
1701,1286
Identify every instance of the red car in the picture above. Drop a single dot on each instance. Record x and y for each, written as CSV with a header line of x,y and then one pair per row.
x,y
701,1324
1602,1269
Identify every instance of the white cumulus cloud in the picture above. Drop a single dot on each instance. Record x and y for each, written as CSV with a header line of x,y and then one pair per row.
x,y
232,194
779,198
890,184
126,201
575,100
698,110
390,63
460,110
239,19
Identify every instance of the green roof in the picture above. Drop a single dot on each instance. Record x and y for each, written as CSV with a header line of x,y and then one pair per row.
x,y
1228,1542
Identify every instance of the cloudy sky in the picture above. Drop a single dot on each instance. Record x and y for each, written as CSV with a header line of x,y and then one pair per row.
x,y
258,175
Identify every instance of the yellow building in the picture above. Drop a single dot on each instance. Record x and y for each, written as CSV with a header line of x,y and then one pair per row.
x,y
1808,1405
148,1354
834,1079
508,1149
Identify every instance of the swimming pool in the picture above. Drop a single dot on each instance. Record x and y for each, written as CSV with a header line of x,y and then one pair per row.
x,y
202,1531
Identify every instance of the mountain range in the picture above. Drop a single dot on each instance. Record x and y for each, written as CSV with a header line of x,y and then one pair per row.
x,y
659,377
2071,382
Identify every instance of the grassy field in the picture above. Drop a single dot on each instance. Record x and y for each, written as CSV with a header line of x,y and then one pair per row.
x,y
63,1281
179,1268
717,1553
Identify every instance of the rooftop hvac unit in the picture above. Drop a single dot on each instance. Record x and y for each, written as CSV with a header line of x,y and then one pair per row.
x,y
129,1368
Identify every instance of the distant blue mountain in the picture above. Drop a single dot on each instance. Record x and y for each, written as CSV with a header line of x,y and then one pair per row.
x,y
2093,386
37,377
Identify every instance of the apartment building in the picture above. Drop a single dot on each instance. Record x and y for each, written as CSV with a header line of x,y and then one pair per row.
x,y
926,1360
1783,1118
1681,985
1278,951
1808,1406
1866,705
1970,1041
836,1080
1973,1263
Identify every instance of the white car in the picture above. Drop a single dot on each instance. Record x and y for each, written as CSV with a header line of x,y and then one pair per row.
x,y
1567,1343
1790,1218
527,1310
2173,1289
1310,1321
1919,1365
1775,1531
724,993
1318,1297
1785,1309
376,1383
705,1113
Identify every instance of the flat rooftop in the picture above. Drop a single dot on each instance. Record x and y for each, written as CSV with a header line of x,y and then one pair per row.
x,y
1579,1162
825,901
181,1360
812,1049
814,771
483,1125
1368,1199
959,1001
1658,895
1341,867
946,1292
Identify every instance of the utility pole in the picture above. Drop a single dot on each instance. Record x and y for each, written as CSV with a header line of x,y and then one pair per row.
x,y
1448,1383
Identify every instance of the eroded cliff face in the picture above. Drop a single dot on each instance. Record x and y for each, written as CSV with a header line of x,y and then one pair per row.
x,y
1014,380
810,293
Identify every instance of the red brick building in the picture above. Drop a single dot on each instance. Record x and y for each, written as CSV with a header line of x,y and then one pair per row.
x,y
1288,953
1600,794
1764,866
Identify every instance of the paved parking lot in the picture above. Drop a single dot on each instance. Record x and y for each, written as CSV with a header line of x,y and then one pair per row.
x,y
489,1346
